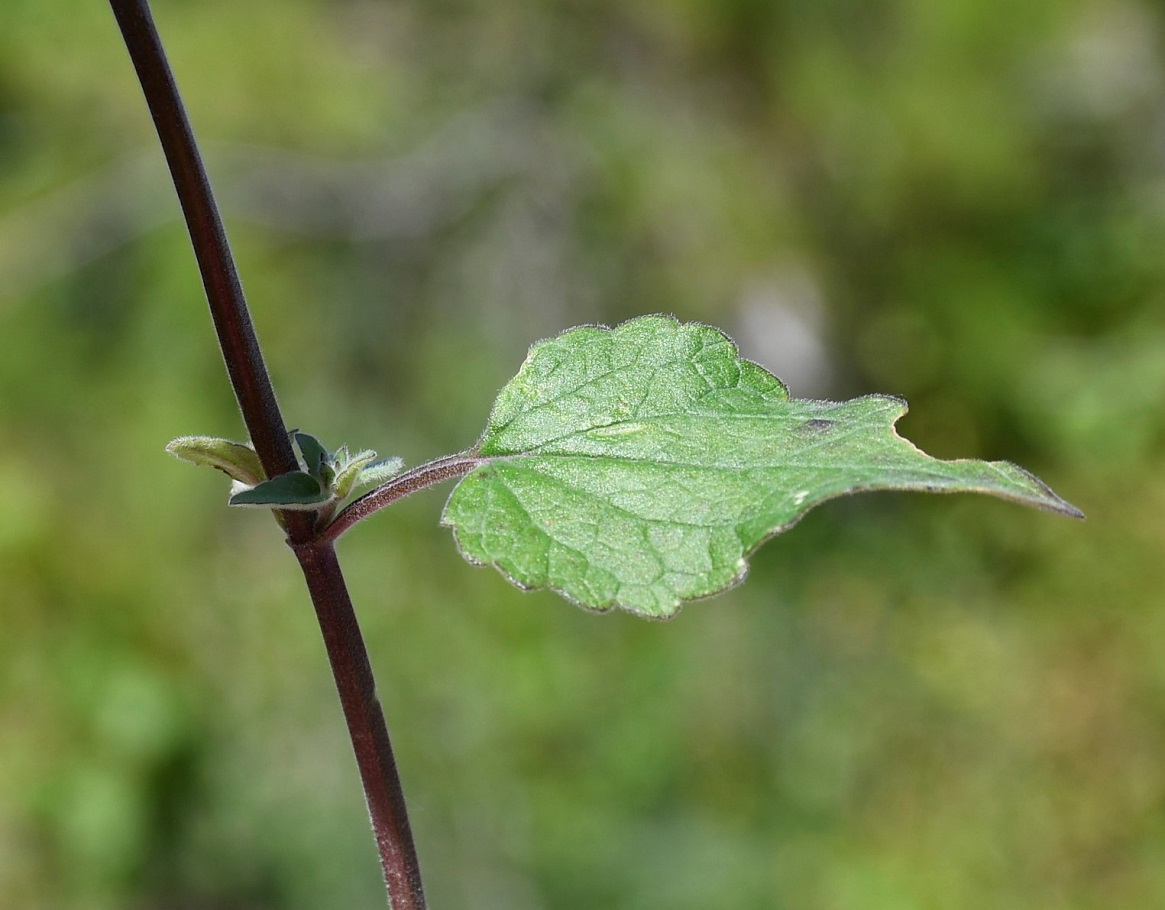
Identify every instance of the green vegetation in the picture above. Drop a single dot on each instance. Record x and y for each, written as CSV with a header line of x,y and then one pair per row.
x,y
912,704
637,467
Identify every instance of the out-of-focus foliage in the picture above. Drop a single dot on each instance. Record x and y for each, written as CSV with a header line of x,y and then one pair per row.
x,y
958,202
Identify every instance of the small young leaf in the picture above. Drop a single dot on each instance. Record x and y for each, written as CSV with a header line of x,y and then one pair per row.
x,y
362,471
315,456
638,467
295,490
379,471
236,460
349,473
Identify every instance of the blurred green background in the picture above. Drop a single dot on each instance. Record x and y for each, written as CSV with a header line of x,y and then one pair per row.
x,y
914,702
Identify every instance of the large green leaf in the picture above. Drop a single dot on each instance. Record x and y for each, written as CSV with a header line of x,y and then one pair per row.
x,y
637,467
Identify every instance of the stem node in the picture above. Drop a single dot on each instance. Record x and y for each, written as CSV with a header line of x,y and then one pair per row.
x,y
252,386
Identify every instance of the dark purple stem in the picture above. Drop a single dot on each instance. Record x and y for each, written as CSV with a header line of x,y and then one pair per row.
x,y
399,487
366,725
228,306
252,386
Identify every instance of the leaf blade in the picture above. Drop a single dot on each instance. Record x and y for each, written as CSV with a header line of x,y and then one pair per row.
x,y
236,460
294,491
638,467
315,456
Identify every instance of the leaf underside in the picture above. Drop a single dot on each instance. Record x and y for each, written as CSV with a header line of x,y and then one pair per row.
x,y
236,460
637,467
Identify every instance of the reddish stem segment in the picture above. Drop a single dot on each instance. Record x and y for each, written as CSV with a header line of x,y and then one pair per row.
x,y
224,292
252,385
357,689
399,487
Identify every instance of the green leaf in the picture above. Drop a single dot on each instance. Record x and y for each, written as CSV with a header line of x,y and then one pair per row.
x,y
362,471
235,459
315,456
379,471
638,467
295,490
350,470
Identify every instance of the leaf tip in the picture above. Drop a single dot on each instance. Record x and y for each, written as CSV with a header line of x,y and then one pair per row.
x,y
181,444
1053,502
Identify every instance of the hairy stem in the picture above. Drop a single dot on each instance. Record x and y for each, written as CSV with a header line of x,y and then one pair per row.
x,y
418,478
366,726
224,292
252,386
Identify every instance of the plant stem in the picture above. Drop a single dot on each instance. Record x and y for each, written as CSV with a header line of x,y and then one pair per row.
x,y
224,292
357,689
420,477
252,386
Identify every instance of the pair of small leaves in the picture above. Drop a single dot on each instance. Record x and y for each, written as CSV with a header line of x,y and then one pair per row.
x,y
326,480
638,467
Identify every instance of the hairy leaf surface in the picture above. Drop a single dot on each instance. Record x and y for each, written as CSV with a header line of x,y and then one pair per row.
x,y
236,460
637,467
